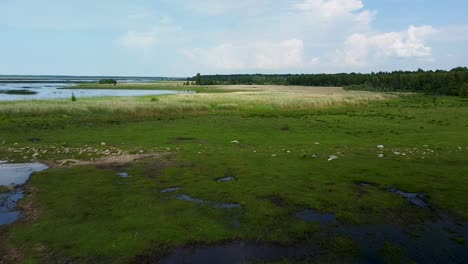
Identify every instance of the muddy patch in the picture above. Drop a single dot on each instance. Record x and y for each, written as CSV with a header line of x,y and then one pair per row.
x,y
417,199
107,162
185,139
218,205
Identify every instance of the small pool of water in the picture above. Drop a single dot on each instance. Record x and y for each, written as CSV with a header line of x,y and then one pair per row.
x,y
18,174
418,199
8,212
314,216
44,91
217,205
172,189
13,175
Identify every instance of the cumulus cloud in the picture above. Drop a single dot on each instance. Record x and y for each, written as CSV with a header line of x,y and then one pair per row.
x,y
410,43
262,55
332,11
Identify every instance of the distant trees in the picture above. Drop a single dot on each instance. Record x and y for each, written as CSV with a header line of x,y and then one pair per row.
x,y
430,82
464,90
108,81
198,79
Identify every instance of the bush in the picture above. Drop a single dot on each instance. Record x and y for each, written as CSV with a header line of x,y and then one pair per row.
x,y
464,91
73,98
108,81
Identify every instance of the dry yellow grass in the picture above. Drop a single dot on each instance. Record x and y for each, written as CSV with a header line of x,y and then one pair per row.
x,y
236,98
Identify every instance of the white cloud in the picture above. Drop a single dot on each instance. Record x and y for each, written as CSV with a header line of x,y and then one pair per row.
x,y
262,55
411,43
225,7
140,40
146,40
329,8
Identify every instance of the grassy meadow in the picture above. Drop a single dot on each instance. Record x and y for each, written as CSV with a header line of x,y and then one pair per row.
x,y
277,142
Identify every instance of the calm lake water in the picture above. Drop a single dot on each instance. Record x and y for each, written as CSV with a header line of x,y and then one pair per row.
x,y
53,91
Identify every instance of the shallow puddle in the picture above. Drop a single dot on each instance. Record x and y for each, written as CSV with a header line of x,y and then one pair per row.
x,y
366,184
237,252
432,242
314,216
173,189
418,199
8,212
187,198
12,175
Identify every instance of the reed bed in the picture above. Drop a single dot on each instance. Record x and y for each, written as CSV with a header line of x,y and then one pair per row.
x,y
243,98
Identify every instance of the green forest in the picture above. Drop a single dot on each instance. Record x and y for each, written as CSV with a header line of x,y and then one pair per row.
x,y
439,82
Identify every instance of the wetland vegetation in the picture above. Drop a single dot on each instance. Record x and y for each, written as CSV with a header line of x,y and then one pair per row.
x,y
292,173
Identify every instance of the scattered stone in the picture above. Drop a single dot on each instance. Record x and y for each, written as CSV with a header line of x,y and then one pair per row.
x,y
235,142
226,179
381,155
380,146
103,143
123,175
333,157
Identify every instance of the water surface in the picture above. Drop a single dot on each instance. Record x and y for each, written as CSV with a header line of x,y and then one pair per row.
x,y
18,174
45,91
12,175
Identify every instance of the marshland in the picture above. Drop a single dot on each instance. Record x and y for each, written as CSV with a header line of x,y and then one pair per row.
x,y
233,131
301,161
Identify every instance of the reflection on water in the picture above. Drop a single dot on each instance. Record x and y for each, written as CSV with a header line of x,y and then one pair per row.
x,y
52,91
18,174
13,175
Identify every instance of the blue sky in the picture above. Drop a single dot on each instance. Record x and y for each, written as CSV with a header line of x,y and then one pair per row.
x,y
183,37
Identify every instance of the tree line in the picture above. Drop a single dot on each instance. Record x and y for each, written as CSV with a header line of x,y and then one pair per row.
x,y
440,82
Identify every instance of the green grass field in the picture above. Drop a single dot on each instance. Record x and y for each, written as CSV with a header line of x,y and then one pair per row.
x,y
276,142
